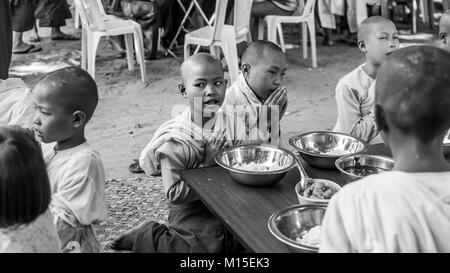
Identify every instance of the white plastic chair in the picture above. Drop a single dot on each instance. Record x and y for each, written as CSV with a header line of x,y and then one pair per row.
x,y
306,19
224,36
97,24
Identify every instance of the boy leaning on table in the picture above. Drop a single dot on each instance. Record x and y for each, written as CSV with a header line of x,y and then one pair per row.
x,y
407,209
184,142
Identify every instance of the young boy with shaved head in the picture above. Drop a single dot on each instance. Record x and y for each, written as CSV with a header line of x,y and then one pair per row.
x,y
444,30
377,38
256,95
187,141
65,101
407,209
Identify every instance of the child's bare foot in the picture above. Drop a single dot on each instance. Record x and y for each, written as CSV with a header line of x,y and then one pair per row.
x,y
124,241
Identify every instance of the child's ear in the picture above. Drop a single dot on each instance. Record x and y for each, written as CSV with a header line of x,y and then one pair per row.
x,y
362,46
79,118
380,118
443,37
245,68
182,89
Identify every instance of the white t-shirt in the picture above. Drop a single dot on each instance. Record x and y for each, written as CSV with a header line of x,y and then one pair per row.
x,y
390,212
38,236
77,181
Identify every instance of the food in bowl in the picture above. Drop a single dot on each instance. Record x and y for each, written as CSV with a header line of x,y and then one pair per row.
x,y
317,189
310,237
258,167
363,171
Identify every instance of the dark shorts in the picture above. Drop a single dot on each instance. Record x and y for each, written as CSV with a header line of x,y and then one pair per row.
x,y
52,13
22,15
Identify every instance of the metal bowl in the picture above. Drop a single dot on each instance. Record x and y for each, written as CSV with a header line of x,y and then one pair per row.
x,y
375,161
259,154
288,223
321,149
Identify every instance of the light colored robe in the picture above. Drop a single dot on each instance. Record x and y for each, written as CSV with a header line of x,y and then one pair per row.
x,y
355,106
390,212
16,103
178,144
246,119
38,236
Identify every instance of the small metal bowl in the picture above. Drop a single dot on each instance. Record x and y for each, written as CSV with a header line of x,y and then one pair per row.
x,y
306,201
375,161
259,154
288,223
321,149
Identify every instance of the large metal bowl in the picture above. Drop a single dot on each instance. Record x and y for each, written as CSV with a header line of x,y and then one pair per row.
x,y
288,223
260,154
383,163
321,149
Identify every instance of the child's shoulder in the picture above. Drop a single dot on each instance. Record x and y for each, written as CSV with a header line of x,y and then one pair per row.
x,y
349,78
383,184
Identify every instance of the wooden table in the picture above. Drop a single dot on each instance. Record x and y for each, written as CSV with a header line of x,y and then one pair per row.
x,y
245,210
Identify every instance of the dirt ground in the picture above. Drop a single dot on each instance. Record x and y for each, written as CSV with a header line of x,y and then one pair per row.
x,y
129,111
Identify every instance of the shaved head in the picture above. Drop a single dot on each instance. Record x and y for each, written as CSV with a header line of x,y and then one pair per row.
x,y
72,88
367,26
259,50
413,91
200,60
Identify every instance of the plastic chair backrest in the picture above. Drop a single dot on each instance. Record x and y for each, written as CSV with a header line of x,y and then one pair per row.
x,y
219,20
309,8
242,14
91,14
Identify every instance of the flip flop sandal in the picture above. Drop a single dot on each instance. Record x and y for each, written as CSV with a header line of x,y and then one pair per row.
x,y
135,168
65,38
30,49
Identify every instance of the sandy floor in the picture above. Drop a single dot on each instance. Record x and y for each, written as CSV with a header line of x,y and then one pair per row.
x,y
129,111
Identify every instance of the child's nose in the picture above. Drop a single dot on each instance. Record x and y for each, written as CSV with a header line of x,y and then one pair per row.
x,y
36,119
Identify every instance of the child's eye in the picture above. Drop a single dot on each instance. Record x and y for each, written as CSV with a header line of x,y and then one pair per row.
x,y
383,38
201,85
219,83
272,72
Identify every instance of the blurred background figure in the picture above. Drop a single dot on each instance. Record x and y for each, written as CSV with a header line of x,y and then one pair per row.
x,y
5,39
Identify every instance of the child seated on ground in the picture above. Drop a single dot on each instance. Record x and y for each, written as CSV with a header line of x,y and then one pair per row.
x,y
444,30
65,101
257,95
407,209
25,219
186,141
377,38
16,103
